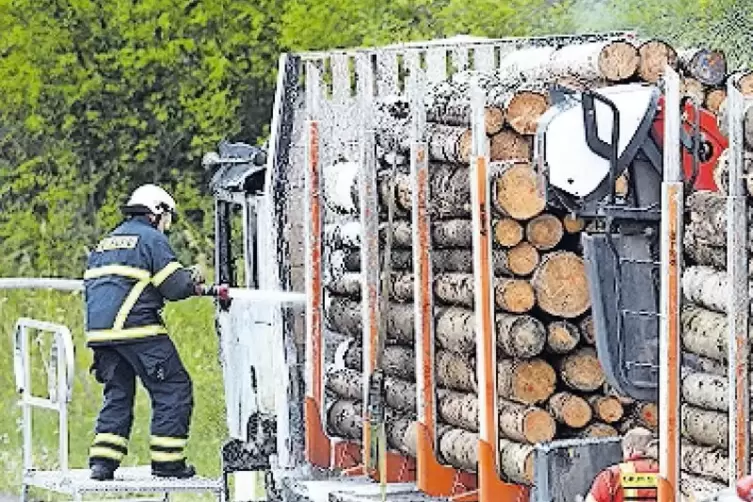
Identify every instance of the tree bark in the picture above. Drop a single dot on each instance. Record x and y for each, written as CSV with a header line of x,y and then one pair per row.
x,y
707,287
444,260
516,191
707,66
698,487
344,316
705,427
516,461
448,143
347,384
525,108
508,146
745,83
608,409
569,409
704,461
455,371
525,423
694,363
721,171
705,391
562,337
449,187
525,381
512,295
587,329
580,370
655,55
458,114
619,60
545,231
459,448
344,419
507,232
704,332
347,284
561,285
455,233
397,360
459,410
714,99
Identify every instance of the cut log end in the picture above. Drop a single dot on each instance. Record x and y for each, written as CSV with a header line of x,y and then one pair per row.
x,y
714,100
525,109
538,426
515,295
507,232
517,193
523,259
570,409
529,382
562,337
607,408
745,84
573,224
561,285
618,61
494,120
587,330
655,55
581,370
600,430
545,231
507,145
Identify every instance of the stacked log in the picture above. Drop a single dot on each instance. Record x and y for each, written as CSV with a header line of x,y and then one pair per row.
x,y
704,385
550,384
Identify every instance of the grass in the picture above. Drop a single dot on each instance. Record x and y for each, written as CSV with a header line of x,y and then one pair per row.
x,y
191,325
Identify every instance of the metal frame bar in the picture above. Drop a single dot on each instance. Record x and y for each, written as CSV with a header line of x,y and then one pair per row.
x,y
370,269
64,373
491,488
671,273
318,447
738,308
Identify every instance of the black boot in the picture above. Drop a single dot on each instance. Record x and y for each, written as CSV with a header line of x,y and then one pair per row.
x,y
180,469
102,472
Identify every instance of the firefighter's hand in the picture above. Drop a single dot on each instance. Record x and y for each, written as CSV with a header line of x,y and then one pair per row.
x,y
197,274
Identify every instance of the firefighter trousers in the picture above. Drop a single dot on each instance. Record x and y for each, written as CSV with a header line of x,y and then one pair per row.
x,y
157,364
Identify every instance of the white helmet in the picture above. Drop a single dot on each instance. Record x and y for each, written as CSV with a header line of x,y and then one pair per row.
x,y
150,198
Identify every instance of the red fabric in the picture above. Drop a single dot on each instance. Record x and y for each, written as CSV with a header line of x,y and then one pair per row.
x,y
606,487
745,488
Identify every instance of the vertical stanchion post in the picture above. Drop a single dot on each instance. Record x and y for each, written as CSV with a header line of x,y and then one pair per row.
x,y
491,488
317,443
671,271
371,311
739,300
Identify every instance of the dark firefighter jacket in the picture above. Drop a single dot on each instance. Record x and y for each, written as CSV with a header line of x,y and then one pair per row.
x,y
129,275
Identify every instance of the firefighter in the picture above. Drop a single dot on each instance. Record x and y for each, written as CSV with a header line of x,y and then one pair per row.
x,y
638,450
129,276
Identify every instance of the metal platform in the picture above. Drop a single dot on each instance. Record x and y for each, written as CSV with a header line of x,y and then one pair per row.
x,y
134,480
350,489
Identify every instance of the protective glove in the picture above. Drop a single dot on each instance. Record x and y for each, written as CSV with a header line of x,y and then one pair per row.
x,y
197,274
221,291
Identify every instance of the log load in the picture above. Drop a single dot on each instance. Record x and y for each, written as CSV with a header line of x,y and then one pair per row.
x,y
599,430
561,285
521,260
704,461
580,370
707,66
707,287
704,332
458,113
745,83
708,217
619,60
655,55
704,427
698,487
516,190
694,89
573,224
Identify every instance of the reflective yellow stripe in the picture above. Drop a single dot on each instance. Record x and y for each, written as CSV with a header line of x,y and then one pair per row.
x,y
106,437
163,456
163,274
639,480
168,442
101,451
129,302
106,335
121,270
627,469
